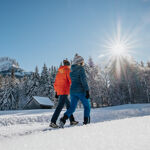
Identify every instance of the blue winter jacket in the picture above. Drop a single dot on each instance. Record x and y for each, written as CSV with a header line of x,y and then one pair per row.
x,y
78,80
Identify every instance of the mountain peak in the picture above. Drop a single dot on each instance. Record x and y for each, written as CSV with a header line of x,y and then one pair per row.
x,y
7,63
6,66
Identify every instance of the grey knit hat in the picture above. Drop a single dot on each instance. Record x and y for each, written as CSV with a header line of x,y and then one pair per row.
x,y
77,59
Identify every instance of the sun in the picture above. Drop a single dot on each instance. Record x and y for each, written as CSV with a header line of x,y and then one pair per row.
x,y
118,44
118,49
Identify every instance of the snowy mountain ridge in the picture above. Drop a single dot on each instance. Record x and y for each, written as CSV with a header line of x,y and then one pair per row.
x,y
7,65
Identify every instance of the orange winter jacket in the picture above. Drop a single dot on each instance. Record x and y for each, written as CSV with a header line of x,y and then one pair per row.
x,y
63,81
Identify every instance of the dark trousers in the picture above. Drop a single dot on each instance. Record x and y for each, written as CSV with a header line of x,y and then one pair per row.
x,y
63,100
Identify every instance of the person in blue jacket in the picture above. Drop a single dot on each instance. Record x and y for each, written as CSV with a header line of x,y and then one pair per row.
x,y
79,91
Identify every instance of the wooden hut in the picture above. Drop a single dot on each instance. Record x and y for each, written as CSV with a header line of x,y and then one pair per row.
x,y
39,103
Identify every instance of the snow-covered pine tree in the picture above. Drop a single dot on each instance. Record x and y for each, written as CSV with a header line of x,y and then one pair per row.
x,y
148,64
94,81
52,73
105,84
10,99
1,82
22,92
31,85
45,82
1,90
36,80
145,83
118,81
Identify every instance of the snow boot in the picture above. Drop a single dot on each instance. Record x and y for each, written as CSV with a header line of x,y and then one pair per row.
x,y
73,123
86,120
53,125
62,121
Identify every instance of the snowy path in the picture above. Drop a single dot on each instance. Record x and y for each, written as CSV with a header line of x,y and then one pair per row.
x,y
126,134
121,127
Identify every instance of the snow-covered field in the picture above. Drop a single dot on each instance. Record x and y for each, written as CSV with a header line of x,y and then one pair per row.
x,y
125,127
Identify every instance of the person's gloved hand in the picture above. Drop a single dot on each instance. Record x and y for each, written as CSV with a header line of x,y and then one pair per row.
x,y
87,95
56,96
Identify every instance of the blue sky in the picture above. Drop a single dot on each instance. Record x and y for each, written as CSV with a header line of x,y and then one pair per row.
x,y
35,32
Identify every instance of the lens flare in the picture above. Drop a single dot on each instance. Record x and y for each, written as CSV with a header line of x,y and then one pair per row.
x,y
119,44
117,50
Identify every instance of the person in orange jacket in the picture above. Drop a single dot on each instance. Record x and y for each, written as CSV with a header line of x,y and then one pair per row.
x,y
62,90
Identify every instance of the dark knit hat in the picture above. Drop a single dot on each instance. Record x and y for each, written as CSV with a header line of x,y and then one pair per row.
x,y
66,62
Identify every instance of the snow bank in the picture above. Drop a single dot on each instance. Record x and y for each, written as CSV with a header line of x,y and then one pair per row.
x,y
97,115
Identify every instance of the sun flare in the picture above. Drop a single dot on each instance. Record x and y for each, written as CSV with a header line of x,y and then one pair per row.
x,y
118,44
118,49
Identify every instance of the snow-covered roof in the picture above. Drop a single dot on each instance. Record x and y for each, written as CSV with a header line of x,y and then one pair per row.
x,y
43,100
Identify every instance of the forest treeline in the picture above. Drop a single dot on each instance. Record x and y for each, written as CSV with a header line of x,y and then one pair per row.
x,y
121,81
